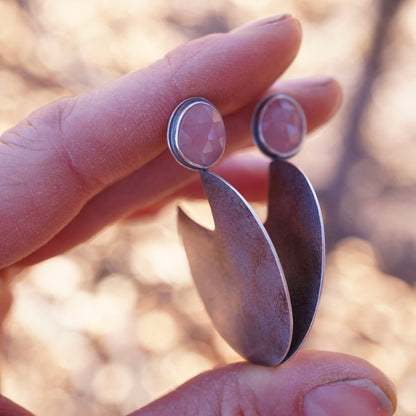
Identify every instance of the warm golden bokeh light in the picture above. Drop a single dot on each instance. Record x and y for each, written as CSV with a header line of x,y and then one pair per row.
x,y
113,324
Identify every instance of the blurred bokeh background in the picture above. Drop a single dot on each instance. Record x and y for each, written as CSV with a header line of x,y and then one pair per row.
x,y
108,327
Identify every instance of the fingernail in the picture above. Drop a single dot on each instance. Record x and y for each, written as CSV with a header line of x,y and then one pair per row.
x,y
346,398
263,22
312,82
321,81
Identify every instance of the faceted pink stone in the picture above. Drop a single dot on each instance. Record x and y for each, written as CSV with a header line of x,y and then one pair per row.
x,y
281,126
201,135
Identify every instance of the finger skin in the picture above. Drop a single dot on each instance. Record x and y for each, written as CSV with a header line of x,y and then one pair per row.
x,y
163,179
6,300
65,153
246,389
276,391
9,408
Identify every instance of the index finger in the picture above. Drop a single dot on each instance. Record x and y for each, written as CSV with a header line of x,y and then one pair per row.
x,y
66,152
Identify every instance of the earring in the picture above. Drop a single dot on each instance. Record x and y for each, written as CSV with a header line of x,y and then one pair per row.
x,y
235,267
294,221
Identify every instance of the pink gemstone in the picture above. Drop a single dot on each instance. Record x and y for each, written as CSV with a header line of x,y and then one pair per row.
x,y
201,135
282,126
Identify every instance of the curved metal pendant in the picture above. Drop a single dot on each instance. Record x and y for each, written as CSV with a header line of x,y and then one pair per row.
x,y
295,226
238,275
260,288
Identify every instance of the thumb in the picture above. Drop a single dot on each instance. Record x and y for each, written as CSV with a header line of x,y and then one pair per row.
x,y
311,384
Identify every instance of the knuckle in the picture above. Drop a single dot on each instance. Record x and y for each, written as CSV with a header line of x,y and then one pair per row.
x,y
43,138
33,132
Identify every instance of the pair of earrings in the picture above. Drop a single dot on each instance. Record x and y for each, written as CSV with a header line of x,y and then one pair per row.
x,y
260,284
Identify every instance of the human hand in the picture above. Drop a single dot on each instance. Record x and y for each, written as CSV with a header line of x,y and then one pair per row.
x,y
78,164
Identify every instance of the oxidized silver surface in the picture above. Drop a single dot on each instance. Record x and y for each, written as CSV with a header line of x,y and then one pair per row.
x,y
295,226
261,288
238,275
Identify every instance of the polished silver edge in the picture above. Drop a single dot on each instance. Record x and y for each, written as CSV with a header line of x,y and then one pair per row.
x,y
173,137
258,138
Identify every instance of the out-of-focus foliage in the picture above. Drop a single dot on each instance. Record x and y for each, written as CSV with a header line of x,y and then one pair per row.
x,y
107,327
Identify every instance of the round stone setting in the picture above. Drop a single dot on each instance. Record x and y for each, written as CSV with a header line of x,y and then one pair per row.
x,y
279,126
196,134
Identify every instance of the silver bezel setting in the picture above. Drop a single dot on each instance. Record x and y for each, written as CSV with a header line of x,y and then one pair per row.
x,y
173,130
258,137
